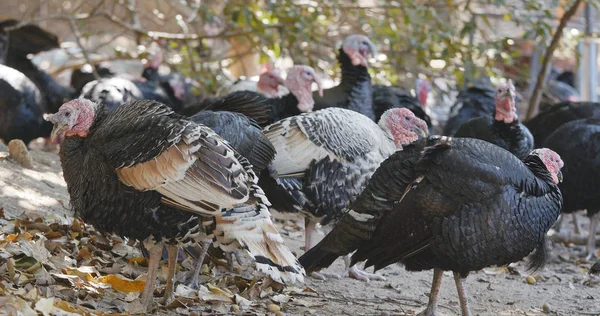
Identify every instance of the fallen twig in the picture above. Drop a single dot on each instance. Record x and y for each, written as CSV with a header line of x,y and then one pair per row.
x,y
572,238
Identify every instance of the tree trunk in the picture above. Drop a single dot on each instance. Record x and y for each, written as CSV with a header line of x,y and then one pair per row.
x,y
541,78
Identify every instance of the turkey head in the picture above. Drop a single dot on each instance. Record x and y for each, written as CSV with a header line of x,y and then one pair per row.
x,y
506,110
358,47
403,125
552,162
74,118
299,81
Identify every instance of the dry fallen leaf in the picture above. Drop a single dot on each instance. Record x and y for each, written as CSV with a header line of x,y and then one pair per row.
x,y
45,306
122,284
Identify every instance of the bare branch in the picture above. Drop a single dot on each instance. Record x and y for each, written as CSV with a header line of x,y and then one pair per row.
x,y
77,35
541,78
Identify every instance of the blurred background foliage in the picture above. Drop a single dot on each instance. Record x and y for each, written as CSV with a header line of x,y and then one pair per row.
x,y
215,42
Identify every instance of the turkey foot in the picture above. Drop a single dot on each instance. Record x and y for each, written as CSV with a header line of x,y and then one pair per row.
x,y
324,275
355,273
431,309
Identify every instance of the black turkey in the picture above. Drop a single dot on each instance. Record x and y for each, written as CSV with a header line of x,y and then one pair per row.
x,y
325,158
386,97
474,100
21,108
30,39
545,123
504,128
578,144
457,204
266,110
144,172
354,91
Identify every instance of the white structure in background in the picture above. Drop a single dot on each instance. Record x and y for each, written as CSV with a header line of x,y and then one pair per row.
x,y
587,75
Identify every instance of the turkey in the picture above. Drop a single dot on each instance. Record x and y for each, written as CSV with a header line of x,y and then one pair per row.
x,y
504,129
268,84
385,98
24,40
111,92
354,91
325,158
475,100
578,143
81,76
545,123
16,56
457,204
269,110
144,172
168,89
21,108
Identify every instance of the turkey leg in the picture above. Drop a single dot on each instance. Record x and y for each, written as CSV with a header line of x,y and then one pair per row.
x,y
310,229
148,295
591,245
431,309
172,250
462,295
576,223
192,278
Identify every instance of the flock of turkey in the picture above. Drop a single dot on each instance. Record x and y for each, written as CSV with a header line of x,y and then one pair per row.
x,y
143,162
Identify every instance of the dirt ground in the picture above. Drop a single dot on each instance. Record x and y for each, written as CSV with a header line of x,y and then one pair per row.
x,y
563,287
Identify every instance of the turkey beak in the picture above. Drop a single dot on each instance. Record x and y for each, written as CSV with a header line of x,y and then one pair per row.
x,y
60,124
420,131
372,49
559,176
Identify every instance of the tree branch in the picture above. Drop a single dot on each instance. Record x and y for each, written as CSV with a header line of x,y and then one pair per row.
x,y
77,35
541,78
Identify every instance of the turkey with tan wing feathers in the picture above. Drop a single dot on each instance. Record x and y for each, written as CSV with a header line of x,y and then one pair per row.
x,y
154,186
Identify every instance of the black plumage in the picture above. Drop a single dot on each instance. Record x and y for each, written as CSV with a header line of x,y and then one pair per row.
x,y
385,98
417,211
503,127
25,39
353,92
262,109
475,100
30,39
21,108
242,133
578,143
152,186
546,122
82,76
514,136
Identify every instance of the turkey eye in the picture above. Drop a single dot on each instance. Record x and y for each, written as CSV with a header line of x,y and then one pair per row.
x,y
67,114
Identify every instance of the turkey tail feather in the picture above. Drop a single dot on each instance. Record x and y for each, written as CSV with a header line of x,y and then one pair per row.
x,y
250,227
